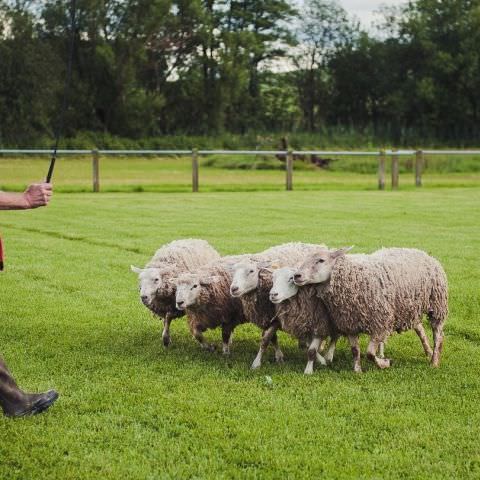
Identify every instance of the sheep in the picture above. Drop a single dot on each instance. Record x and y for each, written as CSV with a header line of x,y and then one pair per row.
x,y
157,286
389,290
252,281
204,295
303,315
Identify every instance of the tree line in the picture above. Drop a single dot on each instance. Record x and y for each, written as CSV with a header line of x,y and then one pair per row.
x,y
148,68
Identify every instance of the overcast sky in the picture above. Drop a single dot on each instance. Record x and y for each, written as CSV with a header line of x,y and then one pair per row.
x,y
364,9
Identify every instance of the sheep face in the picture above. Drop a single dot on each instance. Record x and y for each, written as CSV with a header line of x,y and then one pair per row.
x,y
245,278
189,290
150,283
318,266
283,285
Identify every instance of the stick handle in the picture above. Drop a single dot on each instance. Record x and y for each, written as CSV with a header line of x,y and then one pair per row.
x,y
50,169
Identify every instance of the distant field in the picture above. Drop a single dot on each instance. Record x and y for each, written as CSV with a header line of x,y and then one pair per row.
x,y
131,409
170,174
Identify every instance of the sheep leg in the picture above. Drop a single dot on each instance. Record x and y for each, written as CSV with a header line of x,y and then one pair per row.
x,y
198,334
381,350
372,355
302,345
424,339
267,337
331,349
226,338
312,355
355,346
278,352
437,344
166,330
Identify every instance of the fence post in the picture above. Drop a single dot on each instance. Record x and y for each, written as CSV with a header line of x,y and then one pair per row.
x,y
381,170
289,170
95,170
394,169
194,170
418,168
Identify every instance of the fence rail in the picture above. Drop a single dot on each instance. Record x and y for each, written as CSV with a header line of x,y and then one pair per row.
x,y
287,154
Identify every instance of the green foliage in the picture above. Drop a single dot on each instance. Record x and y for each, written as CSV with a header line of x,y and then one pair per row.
x,y
143,70
129,408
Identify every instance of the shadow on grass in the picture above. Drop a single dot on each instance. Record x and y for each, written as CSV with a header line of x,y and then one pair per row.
x,y
185,351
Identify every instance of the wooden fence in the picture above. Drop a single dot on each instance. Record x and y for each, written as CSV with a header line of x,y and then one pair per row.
x,y
289,156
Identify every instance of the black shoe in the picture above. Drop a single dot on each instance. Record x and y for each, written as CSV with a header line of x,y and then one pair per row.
x,y
38,403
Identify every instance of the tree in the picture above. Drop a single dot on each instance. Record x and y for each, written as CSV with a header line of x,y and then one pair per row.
x,y
28,79
324,28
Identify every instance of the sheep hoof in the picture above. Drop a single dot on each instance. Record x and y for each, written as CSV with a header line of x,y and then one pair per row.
x,y
321,360
309,369
226,351
166,341
209,347
328,358
357,369
279,357
383,363
255,365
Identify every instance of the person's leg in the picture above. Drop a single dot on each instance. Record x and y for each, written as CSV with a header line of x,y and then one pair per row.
x,y
15,402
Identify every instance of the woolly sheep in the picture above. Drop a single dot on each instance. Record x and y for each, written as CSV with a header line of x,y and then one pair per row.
x,y
389,290
252,282
302,315
204,296
157,279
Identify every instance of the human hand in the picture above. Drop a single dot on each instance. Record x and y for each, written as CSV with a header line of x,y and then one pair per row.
x,y
37,195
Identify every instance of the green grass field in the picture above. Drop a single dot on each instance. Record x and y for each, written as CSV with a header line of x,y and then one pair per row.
x,y
131,409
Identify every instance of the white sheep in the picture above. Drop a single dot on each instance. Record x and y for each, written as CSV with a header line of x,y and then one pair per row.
x,y
302,315
204,296
252,281
157,279
387,291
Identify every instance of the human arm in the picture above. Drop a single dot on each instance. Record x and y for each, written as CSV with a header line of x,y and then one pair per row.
x,y
36,195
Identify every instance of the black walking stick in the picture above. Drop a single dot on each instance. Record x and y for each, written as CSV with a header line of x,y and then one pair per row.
x,y
61,119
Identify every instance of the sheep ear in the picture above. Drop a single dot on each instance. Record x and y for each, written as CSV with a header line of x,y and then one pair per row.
x,y
136,270
265,269
270,266
340,252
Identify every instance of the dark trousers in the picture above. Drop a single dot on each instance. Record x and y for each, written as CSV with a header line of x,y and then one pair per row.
x,y
11,397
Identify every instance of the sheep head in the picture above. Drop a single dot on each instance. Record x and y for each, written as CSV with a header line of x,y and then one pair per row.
x,y
283,285
189,289
153,282
245,277
318,266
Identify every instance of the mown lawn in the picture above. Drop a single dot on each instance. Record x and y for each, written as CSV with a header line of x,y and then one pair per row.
x,y
131,409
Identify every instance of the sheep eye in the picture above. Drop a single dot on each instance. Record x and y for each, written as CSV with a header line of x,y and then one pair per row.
x,y
251,271
195,286
320,260
156,280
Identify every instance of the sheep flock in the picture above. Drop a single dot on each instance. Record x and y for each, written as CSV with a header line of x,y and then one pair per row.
x,y
310,292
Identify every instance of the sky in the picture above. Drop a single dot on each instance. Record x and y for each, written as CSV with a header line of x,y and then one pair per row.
x,y
364,9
